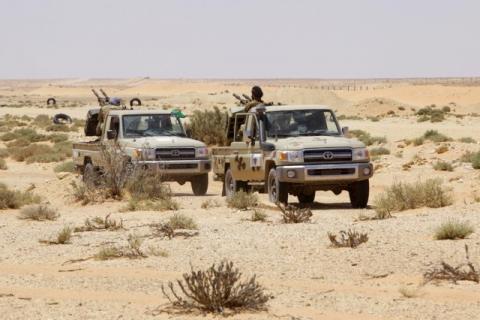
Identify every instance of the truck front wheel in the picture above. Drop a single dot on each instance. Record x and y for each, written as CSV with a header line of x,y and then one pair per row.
x,y
359,192
277,191
200,184
306,197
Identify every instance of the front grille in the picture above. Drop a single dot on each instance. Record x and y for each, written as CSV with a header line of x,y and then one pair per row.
x,y
327,155
180,166
330,172
175,153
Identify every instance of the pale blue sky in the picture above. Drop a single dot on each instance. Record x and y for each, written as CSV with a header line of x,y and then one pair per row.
x,y
239,39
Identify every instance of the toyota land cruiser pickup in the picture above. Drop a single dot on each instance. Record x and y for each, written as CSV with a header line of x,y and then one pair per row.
x,y
297,150
151,139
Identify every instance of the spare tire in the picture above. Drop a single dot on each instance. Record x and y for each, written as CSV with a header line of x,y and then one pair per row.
x,y
51,101
62,118
135,102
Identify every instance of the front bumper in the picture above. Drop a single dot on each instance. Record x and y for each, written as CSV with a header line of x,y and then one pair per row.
x,y
325,172
179,167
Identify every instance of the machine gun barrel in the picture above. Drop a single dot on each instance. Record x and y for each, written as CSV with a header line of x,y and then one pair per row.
x,y
107,98
247,97
242,101
101,101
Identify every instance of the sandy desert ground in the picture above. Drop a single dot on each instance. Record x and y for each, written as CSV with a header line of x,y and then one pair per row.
x,y
295,263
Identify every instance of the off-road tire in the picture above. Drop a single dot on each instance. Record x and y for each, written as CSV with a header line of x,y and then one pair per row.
x,y
135,102
359,192
277,191
200,184
306,197
62,118
51,101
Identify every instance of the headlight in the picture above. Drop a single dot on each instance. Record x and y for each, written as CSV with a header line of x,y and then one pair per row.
x,y
360,154
201,152
290,156
144,154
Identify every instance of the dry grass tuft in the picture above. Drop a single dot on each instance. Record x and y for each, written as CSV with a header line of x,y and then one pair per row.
x,y
452,230
68,166
366,138
39,212
180,221
409,292
350,238
442,166
242,200
463,272
12,199
216,289
156,205
293,214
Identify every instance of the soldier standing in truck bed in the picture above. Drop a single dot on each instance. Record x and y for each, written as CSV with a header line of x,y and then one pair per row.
x,y
257,95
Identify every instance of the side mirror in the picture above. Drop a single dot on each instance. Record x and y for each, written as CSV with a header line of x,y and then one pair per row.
x,y
111,134
345,131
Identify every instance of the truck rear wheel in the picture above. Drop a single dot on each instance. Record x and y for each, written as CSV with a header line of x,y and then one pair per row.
x,y
359,192
90,175
306,197
277,191
200,184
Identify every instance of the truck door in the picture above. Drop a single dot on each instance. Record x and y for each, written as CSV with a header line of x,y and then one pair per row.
x,y
246,159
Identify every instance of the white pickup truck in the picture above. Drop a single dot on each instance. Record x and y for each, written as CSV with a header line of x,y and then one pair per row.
x,y
150,138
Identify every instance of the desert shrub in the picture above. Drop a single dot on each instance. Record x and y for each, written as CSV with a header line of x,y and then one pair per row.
x,y
42,120
404,196
149,205
20,142
366,138
38,153
216,289
435,136
350,238
453,229
3,153
463,272
63,237
38,212
3,164
467,140
180,221
85,194
423,118
418,141
97,224
401,108
68,166
446,109
294,214
13,199
379,151
242,200
210,203
432,114
147,184
442,166
258,215
437,116
209,126
59,128
57,137
473,158
132,251
441,149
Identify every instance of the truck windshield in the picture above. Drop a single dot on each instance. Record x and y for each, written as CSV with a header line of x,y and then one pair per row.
x,y
294,123
150,125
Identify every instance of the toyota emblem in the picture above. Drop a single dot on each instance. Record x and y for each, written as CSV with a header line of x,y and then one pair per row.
x,y
328,155
175,153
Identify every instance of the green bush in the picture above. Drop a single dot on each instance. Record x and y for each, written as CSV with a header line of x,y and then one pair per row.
x,y
453,229
473,158
242,200
366,138
68,166
209,126
435,136
442,166
404,196
180,221
467,140
379,151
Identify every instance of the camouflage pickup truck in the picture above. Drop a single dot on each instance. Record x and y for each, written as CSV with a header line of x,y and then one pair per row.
x,y
153,139
282,150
